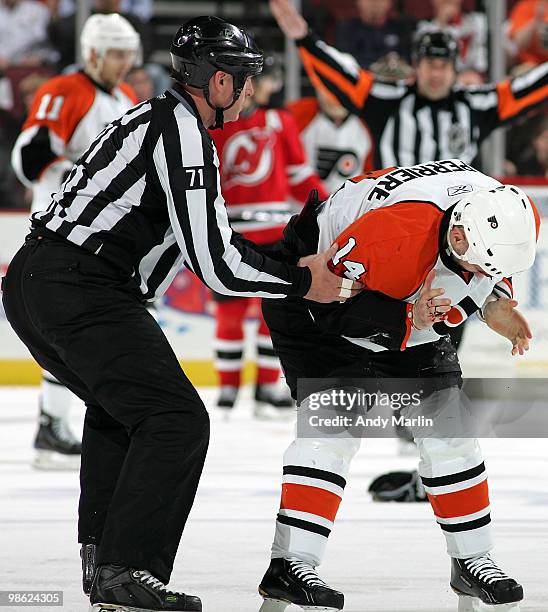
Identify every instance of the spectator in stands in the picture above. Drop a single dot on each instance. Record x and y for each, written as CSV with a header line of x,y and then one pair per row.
x,y
23,34
62,31
143,9
392,67
532,160
469,29
529,31
374,33
141,82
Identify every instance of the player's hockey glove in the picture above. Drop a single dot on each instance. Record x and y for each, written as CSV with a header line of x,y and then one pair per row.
x,y
301,233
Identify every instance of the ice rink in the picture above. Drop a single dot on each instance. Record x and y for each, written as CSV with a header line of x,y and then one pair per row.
x,y
384,557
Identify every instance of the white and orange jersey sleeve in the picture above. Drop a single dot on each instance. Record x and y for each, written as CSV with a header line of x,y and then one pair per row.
x,y
67,113
58,107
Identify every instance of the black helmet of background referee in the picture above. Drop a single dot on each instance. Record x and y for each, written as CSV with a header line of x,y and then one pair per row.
x,y
435,44
205,45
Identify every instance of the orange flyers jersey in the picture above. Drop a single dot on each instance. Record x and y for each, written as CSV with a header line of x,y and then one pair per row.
x,y
389,226
337,152
67,114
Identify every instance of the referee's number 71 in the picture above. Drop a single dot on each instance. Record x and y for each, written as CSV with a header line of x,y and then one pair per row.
x,y
196,174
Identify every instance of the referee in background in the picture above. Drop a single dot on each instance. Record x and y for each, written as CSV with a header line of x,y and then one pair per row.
x,y
143,201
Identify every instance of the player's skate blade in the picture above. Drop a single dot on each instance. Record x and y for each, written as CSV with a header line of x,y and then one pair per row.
x,y
290,581
277,605
117,588
273,402
481,579
52,461
473,604
55,444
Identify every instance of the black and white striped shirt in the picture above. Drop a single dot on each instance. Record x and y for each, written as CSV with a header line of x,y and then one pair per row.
x,y
146,196
409,129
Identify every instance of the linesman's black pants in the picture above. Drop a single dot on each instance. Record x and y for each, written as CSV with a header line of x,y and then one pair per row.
x,y
146,430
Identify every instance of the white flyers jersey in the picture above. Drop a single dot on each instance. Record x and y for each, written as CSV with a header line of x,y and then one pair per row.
x,y
391,228
336,152
67,114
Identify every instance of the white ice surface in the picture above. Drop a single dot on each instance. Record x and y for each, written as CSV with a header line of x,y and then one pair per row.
x,y
384,557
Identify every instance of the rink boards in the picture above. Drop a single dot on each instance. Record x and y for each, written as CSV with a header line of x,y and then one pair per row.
x,y
186,312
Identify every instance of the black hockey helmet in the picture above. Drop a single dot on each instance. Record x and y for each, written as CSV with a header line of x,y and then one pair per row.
x,y
435,43
205,45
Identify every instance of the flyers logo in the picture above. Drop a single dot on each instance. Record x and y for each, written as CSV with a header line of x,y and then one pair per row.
x,y
493,221
344,162
248,157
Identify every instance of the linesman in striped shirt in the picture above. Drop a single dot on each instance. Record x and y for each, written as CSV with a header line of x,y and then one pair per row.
x,y
143,201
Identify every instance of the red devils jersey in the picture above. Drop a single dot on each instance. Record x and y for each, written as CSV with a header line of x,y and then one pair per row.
x,y
263,167
391,228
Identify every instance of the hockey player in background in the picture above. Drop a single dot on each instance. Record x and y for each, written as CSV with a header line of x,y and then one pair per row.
x,y
67,113
264,173
338,145
396,230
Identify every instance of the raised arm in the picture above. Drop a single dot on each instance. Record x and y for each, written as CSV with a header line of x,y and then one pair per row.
x,y
337,74
506,100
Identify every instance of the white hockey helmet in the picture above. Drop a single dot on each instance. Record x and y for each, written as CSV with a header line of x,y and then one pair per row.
x,y
500,227
102,32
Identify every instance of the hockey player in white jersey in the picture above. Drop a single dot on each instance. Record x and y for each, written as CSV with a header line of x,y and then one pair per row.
x,y
67,113
339,145
432,244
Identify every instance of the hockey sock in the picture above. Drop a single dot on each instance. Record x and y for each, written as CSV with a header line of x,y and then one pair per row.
x,y
55,398
229,341
314,478
455,480
268,365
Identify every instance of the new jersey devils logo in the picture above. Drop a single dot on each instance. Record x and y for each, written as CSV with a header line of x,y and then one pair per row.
x,y
248,157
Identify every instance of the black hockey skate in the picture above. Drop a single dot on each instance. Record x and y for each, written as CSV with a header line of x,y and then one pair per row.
x,y
290,581
227,397
273,401
88,554
122,589
56,447
481,579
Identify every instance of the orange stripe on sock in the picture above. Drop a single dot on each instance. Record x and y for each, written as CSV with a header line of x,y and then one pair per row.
x,y
461,503
310,499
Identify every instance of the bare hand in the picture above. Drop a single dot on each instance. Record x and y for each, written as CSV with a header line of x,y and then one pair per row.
x,y
502,317
291,22
429,309
328,287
